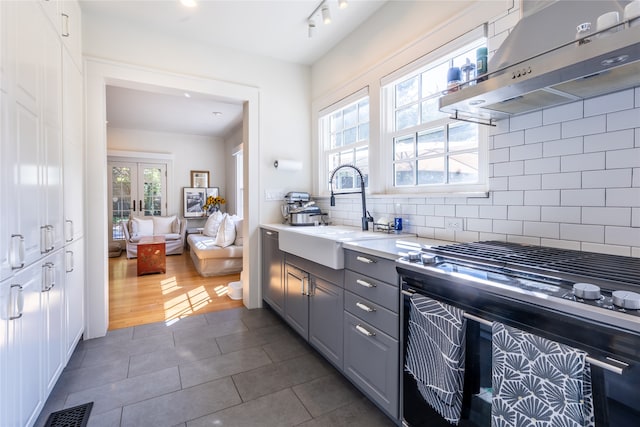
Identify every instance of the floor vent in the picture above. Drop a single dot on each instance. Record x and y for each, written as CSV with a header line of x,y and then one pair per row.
x,y
78,416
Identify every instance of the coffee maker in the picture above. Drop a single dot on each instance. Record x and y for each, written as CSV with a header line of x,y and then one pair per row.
x,y
299,209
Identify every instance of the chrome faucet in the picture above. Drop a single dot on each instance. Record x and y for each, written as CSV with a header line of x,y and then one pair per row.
x,y
366,217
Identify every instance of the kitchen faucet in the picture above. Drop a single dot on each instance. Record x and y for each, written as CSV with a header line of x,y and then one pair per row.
x,y
366,217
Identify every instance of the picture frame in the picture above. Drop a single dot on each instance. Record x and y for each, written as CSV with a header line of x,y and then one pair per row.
x,y
213,191
193,200
199,179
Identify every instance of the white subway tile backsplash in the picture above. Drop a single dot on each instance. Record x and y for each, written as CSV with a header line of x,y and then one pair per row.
x,y
525,121
606,216
492,236
609,103
637,137
445,210
508,139
617,159
546,165
508,168
581,127
561,214
442,234
560,244
425,210
562,113
508,198
582,162
525,182
495,212
635,252
563,147
499,155
528,213
550,230
501,126
467,211
590,197
478,224
524,240
561,180
542,197
623,197
606,249
622,236
504,226
609,141
582,233
606,178
434,221
426,232
506,22
408,209
524,152
499,183
623,120
637,96
635,218
466,236
635,180
542,134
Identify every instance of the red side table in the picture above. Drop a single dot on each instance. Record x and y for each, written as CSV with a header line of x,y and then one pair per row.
x,y
151,255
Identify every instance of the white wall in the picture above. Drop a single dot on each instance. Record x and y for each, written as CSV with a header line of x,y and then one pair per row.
x,y
188,152
566,177
231,143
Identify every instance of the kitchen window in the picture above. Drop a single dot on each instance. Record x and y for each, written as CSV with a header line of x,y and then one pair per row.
x,y
429,151
344,138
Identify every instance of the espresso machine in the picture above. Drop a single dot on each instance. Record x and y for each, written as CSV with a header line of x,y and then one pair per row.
x,y
299,209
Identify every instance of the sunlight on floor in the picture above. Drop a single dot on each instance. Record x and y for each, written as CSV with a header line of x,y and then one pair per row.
x,y
186,303
221,290
169,285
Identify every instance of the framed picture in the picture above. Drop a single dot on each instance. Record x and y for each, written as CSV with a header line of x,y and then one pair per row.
x,y
199,179
213,191
193,201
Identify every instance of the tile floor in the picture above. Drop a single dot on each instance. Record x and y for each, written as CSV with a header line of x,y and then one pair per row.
x,y
229,368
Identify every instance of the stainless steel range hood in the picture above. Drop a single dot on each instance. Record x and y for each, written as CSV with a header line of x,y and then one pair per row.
x,y
541,64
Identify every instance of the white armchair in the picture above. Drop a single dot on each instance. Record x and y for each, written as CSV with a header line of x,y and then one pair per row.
x,y
171,227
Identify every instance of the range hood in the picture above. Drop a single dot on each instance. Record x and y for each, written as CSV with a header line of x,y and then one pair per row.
x,y
542,63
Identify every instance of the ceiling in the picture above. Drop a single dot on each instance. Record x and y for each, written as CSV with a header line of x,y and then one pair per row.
x,y
271,28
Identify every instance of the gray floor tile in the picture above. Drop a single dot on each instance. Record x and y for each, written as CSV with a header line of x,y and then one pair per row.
x,y
120,351
180,406
75,361
260,318
361,413
75,380
106,419
128,391
208,332
205,370
277,410
278,376
183,354
158,328
326,394
225,315
286,347
112,337
257,337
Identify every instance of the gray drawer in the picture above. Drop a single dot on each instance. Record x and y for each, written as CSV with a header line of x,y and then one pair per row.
x,y
379,292
372,313
373,266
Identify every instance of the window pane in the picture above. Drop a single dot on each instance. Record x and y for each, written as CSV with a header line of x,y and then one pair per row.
x,y
350,116
336,140
350,136
431,171
407,92
434,80
403,148
336,121
407,117
431,142
363,132
362,163
463,136
463,168
404,173
430,110
363,111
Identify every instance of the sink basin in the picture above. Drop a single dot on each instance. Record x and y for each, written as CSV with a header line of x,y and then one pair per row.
x,y
323,244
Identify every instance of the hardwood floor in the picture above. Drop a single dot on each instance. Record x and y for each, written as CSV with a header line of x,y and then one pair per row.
x,y
178,293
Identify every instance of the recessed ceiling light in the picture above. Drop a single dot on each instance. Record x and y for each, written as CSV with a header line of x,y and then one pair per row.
x,y
187,95
189,3
217,113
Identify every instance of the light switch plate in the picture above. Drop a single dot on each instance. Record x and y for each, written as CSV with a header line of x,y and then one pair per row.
x,y
453,224
274,194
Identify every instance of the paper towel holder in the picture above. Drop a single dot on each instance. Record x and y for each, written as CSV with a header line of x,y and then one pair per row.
x,y
287,165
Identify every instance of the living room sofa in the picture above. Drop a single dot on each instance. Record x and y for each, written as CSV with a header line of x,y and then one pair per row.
x,y
217,251
171,227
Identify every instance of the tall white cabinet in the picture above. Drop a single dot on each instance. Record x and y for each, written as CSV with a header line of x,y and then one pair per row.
x,y
42,279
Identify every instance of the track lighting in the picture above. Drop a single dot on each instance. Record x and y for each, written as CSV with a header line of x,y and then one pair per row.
x,y
312,28
342,4
326,14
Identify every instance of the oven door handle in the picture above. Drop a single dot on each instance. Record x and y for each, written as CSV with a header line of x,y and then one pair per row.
x,y
408,292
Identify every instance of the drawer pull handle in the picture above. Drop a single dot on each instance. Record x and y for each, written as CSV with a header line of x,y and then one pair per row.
x,y
365,260
365,283
363,331
364,307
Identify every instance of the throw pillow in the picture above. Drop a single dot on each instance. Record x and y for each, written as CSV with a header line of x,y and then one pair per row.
x,y
142,227
239,235
213,223
163,224
226,233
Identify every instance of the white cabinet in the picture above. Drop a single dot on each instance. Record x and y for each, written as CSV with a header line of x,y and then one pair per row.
x,y
71,29
53,311
72,119
5,288
74,294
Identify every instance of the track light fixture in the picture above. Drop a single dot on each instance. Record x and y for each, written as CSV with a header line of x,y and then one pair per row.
x,y
323,10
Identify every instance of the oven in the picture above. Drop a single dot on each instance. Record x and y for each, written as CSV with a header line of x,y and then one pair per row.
x,y
586,301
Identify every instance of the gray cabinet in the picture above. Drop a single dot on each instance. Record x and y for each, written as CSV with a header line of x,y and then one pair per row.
x,y
296,300
372,328
273,281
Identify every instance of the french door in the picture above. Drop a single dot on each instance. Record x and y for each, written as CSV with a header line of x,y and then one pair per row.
x,y
135,190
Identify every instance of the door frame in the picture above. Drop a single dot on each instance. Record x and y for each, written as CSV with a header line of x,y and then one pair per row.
x,y
98,74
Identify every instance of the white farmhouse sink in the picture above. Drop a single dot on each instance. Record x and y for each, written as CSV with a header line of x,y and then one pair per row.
x,y
323,244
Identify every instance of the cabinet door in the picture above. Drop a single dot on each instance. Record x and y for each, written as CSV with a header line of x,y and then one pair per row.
x,y
72,142
296,300
71,29
272,268
52,287
7,396
74,295
325,319
371,362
